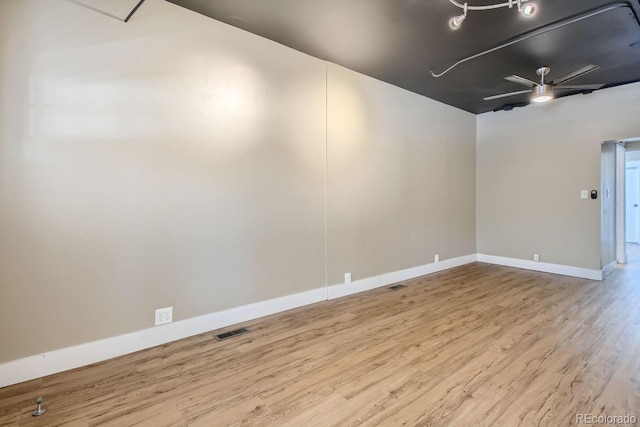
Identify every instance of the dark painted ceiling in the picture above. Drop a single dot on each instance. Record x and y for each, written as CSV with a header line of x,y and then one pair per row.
x,y
401,41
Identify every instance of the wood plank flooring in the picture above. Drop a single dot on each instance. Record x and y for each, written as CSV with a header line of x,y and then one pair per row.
x,y
479,345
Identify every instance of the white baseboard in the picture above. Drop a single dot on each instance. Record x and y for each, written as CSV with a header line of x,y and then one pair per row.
x,y
357,286
564,270
609,268
52,362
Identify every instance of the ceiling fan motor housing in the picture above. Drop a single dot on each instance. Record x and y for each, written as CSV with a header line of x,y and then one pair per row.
x,y
542,93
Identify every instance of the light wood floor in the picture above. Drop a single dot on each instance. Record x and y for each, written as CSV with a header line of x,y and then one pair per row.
x,y
478,345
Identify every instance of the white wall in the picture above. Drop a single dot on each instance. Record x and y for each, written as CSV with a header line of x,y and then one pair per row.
x,y
171,161
178,161
401,178
532,164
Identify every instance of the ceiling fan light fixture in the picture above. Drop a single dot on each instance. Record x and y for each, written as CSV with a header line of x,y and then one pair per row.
x,y
542,94
545,91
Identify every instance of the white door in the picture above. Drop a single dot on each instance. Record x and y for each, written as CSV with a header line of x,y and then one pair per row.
x,y
632,201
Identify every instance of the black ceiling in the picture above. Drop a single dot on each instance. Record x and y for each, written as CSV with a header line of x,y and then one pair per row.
x,y
401,41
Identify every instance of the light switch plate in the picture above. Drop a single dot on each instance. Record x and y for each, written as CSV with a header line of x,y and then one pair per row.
x,y
584,194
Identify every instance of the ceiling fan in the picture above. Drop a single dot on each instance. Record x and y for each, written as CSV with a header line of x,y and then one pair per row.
x,y
544,91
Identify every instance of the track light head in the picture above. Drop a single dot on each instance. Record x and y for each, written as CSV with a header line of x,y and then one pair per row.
x,y
529,10
454,23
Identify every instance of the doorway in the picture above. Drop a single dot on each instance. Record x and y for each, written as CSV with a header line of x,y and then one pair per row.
x,y
620,203
632,211
632,202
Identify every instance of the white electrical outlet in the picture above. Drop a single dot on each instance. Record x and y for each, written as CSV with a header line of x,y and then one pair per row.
x,y
347,278
536,257
584,194
164,316
437,258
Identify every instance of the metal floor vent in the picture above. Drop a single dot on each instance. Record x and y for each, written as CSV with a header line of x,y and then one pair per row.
x,y
231,334
397,287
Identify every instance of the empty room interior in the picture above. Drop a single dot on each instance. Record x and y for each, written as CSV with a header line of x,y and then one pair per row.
x,y
319,213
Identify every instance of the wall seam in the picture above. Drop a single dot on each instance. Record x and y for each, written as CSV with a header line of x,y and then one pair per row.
x,y
326,177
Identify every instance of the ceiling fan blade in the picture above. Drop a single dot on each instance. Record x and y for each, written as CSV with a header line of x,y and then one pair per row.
x,y
575,74
580,87
504,95
521,80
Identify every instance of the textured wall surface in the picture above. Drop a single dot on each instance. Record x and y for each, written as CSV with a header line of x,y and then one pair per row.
x,y
178,161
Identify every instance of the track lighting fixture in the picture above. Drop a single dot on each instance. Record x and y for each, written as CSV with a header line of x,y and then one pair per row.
x,y
455,22
529,10
526,10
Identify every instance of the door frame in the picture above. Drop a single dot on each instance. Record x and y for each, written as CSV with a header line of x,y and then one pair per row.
x,y
633,165
621,197
620,202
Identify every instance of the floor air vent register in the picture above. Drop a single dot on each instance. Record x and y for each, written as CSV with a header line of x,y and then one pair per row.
x,y
231,334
